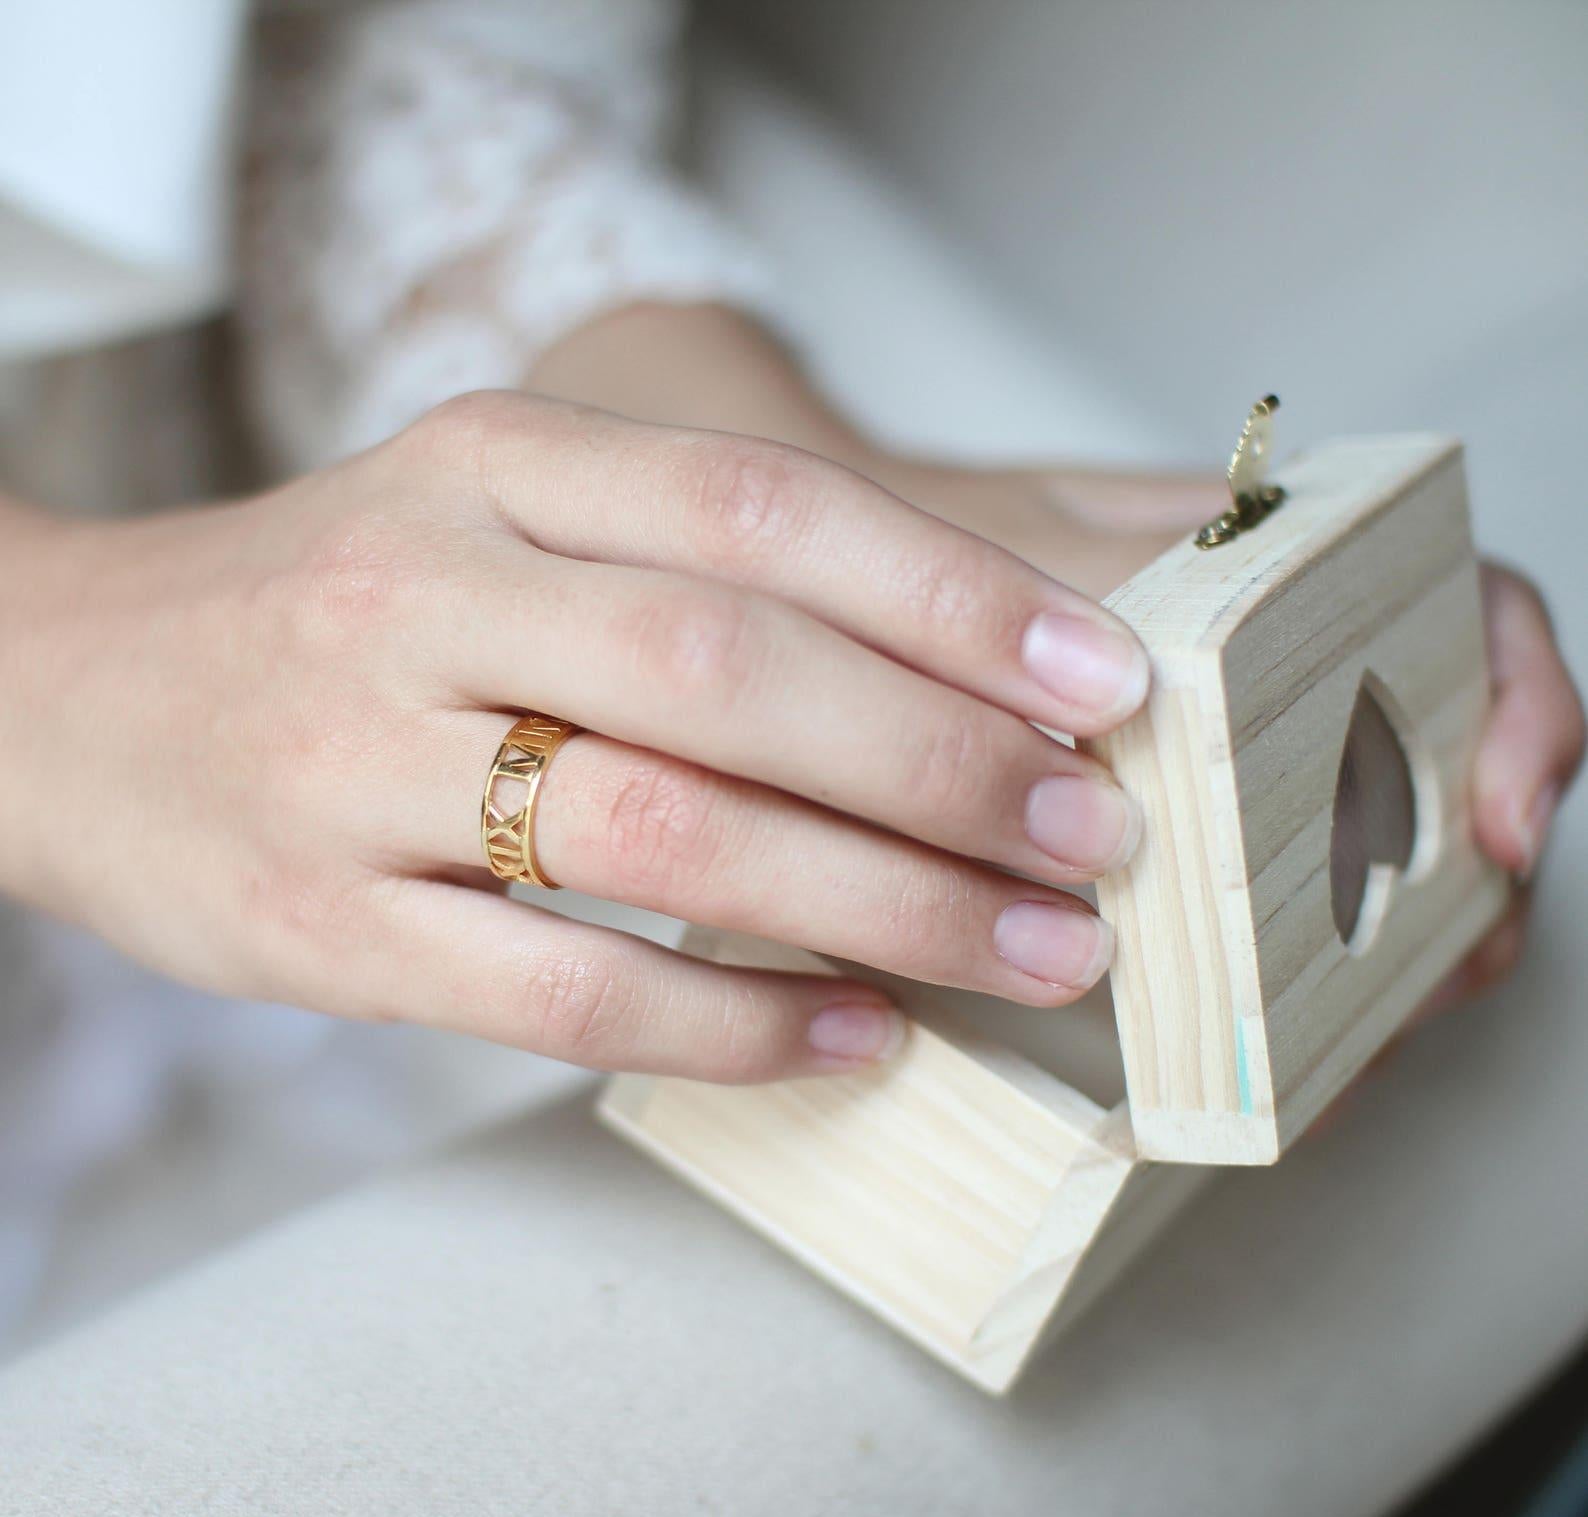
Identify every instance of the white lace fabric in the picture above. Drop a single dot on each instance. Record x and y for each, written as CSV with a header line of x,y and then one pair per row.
x,y
437,190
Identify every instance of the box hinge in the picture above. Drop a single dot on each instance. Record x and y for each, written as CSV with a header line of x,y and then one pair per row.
x,y
1252,498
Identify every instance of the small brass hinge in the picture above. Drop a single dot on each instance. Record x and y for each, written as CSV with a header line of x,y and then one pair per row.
x,y
1252,498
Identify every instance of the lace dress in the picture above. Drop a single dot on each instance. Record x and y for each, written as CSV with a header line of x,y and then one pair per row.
x,y
436,191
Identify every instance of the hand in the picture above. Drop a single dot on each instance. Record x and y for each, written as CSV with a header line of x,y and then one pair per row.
x,y
248,743
1094,527
1109,525
708,366
1531,751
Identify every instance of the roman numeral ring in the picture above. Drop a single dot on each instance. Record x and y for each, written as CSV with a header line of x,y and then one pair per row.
x,y
507,814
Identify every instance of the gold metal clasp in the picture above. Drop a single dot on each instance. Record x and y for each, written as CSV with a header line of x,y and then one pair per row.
x,y
1252,497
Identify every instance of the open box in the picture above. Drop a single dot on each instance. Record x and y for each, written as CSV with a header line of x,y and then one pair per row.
x,y
977,1193
1307,875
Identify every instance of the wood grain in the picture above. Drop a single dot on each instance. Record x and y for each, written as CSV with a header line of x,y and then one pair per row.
x,y
962,1193
1241,1012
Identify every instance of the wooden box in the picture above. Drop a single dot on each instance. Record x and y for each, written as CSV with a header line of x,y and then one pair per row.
x,y
1307,875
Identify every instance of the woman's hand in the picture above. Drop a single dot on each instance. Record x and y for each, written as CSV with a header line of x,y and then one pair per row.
x,y
1092,527
249,743
1105,526
1531,752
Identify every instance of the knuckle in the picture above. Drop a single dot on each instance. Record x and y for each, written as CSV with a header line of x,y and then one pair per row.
x,y
743,1054
927,911
1576,731
700,644
663,828
946,773
942,590
577,1008
464,429
1526,589
301,918
1515,606
754,498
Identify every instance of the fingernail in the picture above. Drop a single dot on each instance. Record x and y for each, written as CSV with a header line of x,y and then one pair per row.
x,y
1057,944
1535,827
855,1031
1090,825
1084,663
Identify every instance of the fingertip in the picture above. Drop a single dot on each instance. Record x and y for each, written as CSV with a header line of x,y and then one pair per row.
x,y
1534,738
1062,948
1533,829
1086,826
1039,995
1512,823
1092,664
851,1033
1498,831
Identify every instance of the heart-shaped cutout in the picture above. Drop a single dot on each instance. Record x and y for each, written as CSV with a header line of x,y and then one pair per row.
x,y
1375,820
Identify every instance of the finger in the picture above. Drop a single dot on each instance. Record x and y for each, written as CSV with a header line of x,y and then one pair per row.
x,y
1488,964
467,961
647,830
1494,959
1532,745
752,687
787,523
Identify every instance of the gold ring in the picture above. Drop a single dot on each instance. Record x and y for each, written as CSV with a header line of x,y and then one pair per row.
x,y
508,836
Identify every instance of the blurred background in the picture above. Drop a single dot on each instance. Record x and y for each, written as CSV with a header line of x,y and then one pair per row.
x,y
1000,231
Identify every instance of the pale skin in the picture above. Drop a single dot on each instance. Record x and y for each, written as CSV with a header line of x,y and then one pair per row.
x,y
247,742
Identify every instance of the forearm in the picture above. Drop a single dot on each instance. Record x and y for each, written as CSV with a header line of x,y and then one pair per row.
x,y
698,366
713,367
585,269
716,368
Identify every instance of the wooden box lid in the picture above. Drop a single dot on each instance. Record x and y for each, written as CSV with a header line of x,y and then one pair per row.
x,y
1289,905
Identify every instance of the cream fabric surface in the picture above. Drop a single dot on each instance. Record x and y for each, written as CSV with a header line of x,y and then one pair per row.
x,y
542,1322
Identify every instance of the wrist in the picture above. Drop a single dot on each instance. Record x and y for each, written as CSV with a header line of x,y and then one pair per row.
x,y
36,580
701,366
